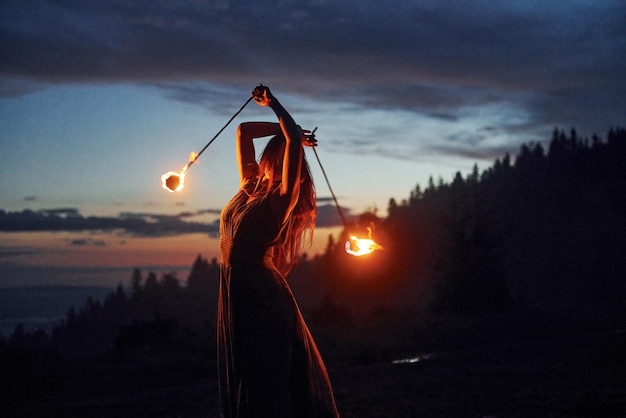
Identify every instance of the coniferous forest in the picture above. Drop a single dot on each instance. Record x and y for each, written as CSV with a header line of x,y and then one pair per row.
x,y
501,293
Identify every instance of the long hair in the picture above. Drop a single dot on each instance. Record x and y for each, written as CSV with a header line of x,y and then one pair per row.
x,y
301,223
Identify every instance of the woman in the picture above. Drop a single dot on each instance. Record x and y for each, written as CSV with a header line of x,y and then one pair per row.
x,y
269,364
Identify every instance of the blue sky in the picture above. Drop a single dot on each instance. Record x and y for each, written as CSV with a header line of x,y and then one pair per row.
x,y
98,99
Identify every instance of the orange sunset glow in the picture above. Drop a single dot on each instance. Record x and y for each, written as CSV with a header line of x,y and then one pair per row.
x,y
67,249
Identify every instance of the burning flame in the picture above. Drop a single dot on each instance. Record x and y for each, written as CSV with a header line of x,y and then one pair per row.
x,y
362,246
173,181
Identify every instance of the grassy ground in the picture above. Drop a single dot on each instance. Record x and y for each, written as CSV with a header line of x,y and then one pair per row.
x,y
543,378
575,373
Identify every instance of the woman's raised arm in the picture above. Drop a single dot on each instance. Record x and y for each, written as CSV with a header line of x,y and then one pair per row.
x,y
246,157
292,161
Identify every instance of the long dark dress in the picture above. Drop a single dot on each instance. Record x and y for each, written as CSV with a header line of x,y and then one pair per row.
x,y
269,364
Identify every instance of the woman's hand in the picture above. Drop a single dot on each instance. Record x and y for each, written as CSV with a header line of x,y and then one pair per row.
x,y
308,138
262,95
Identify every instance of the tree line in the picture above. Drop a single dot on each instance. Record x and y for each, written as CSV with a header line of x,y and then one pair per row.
x,y
543,229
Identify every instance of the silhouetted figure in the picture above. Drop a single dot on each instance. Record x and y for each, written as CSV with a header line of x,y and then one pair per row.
x,y
269,364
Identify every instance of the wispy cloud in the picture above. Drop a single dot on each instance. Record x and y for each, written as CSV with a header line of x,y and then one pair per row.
x,y
136,224
328,216
11,252
84,242
132,224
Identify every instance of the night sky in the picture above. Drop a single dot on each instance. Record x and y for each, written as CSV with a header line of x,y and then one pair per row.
x,y
98,99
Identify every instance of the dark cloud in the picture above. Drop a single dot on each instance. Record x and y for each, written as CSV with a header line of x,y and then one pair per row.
x,y
209,212
497,44
201,94
324,199
10,252
60,212
59,41
133,224
328,216
476,153
561,65
84,242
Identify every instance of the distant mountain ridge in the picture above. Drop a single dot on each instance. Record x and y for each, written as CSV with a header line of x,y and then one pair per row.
x,y
42,306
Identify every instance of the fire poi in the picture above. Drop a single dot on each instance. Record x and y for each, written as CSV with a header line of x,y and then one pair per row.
x,y
362,246
354,246
173,181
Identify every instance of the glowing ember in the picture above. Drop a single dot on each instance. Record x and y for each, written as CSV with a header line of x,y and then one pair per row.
x,y
173,182
361,246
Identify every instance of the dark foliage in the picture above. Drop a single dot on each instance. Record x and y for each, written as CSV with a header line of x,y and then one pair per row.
x,y
545,230
157,328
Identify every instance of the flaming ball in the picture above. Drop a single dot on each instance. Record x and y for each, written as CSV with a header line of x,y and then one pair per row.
x,y
361,246
173,182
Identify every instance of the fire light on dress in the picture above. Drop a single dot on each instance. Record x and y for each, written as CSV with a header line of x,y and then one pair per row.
x,y
173,181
